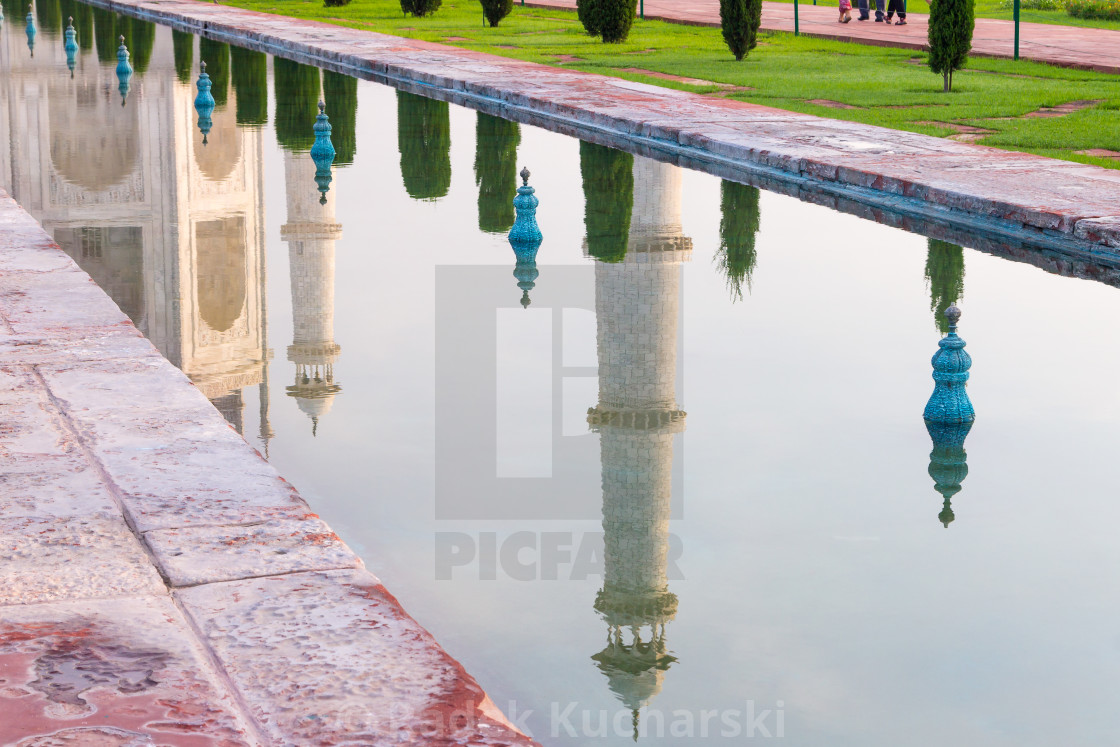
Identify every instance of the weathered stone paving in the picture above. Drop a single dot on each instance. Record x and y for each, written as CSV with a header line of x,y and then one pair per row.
x,y
162,584
1073,208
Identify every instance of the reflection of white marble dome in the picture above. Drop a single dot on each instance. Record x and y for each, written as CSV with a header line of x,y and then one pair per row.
x,y
315,408
94,141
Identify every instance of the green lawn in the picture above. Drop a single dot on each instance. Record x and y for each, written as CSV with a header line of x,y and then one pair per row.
x,y
888,87
1000,9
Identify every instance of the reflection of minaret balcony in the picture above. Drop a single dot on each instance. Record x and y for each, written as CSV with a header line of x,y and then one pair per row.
x,y
666,421
314,354
310,231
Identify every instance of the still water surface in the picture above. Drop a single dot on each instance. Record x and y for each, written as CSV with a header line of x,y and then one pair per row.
x,y
717,388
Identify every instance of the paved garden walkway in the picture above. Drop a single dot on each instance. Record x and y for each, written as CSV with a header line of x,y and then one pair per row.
x,y
1070,46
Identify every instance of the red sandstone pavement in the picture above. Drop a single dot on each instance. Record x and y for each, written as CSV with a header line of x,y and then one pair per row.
x,y
1070,46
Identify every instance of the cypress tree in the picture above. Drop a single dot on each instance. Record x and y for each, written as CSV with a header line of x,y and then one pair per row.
x,y
249,77
738,227
424,141
950,36
50,16
945,275
295,88
608,193
420,8
105,33
588,13
141,41
495,171
496,10
216,56
740,20
83,23
340,93
614,19
183,45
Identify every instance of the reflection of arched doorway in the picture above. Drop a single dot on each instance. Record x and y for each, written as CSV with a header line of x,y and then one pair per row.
x,y
221,271
114,257
95,142
219,157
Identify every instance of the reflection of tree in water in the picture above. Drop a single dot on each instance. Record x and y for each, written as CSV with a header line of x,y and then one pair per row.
x,y
83,20
424,141
340,93
945,275
216,56
49,16
495,171
296,90
140,36
608,192
183,44
249,75
738,227
105,33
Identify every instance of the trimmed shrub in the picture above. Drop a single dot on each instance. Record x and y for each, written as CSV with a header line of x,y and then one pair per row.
x,y
738,227
249,76
420,8
945,276
216,56
950,36
496,10
588,13
340,93
740,20
424,142
608,192
495,171
614,19
1107,10
182,44
335,3
295,90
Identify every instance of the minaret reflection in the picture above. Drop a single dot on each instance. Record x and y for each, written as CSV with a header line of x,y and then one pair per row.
x,y
637,307
949,415
311,232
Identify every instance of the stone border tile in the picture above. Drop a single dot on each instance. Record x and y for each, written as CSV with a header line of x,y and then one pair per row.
x,y
200,555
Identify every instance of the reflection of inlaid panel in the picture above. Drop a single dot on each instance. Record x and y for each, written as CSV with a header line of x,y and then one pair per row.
x,y
128,192
221,269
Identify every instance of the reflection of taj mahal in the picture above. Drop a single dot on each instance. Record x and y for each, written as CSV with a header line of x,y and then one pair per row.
x,y
311,232
637,308
171,229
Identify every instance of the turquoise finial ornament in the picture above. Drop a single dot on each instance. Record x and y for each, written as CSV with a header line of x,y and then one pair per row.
x,y
71,46
124,70
949,416
31,30
949,402
322,153
525,237
204,103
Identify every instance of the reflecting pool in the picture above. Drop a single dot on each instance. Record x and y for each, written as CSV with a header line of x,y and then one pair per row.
x,y
669,477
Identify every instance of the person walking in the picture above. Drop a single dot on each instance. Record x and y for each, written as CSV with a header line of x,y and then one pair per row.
x,y
897,6
865,10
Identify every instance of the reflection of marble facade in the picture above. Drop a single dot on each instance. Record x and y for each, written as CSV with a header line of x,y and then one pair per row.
x,y
637,308
171,229
311,231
